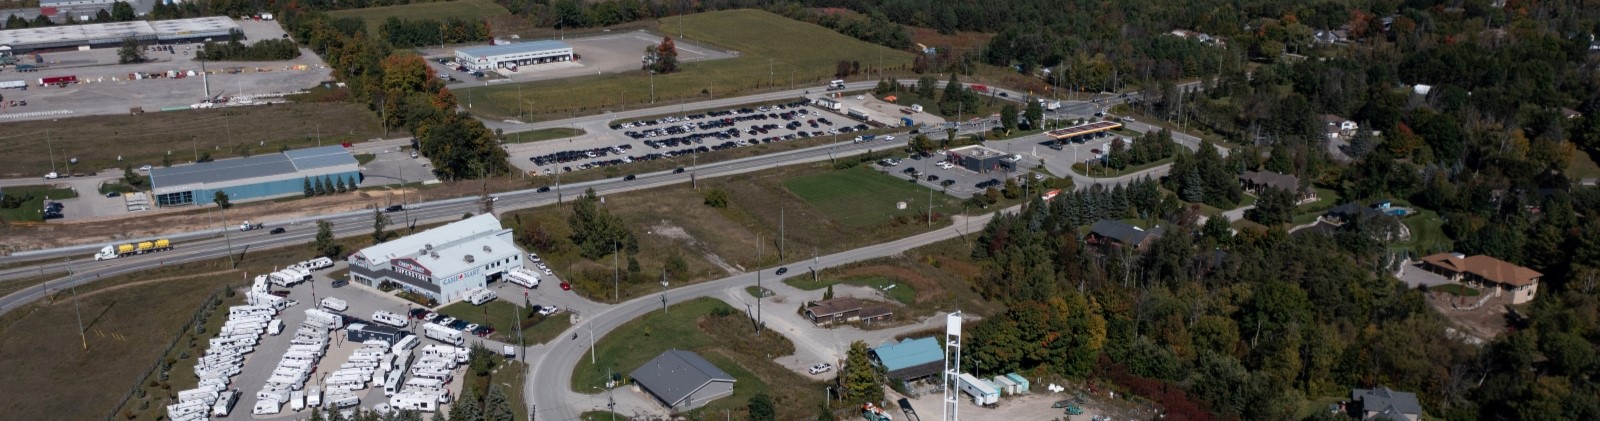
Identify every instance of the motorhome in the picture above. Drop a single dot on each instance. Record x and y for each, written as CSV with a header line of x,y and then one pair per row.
x,y
225,402
522,276
444,334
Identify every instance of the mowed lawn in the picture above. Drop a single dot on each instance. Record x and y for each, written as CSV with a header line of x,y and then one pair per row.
x,y
771,49
31,209
725,341
97,141
501,315
862,197
467,9
54,377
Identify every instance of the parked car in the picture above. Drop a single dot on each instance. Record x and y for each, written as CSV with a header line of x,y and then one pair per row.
x,y
947,183
281,293
932,178
113,194
821,368
566,287
418,313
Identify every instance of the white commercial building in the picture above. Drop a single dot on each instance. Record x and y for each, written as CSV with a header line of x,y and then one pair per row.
x,y
443,263
510,55
112,34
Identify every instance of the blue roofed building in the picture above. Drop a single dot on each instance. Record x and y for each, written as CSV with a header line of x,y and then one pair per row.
x,y
493,57
910,359
255,177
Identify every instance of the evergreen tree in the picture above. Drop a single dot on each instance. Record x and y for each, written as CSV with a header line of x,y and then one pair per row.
x,y
324,244
338,185
859,379
828,295
379,222
466,407
316,414
320,186
496,407
762,408
1008,117
309,190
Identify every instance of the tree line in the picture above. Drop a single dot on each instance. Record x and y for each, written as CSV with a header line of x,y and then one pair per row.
x,y
421,32
262,50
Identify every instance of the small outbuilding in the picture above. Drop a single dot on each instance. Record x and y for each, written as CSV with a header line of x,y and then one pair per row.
x,y
910,359
682,380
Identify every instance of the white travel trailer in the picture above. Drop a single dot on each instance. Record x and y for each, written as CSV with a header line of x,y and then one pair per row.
x,y
390,319
334,304
441,333
266,407
405,344
414,401
521,276
225,403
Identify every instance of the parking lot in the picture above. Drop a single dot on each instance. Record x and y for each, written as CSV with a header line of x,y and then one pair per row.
x,y
394,166
953,179
610,53
693,133
1073,151
104,87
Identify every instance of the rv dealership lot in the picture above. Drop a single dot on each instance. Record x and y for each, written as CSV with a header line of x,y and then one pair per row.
x,y
609,53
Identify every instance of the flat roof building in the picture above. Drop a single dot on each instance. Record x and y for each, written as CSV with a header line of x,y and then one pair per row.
x,y
443,263
255,177
911,359
362,332
112,34
981,159
512,55
682,380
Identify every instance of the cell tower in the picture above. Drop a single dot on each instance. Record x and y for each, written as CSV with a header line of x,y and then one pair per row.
x,y
952,366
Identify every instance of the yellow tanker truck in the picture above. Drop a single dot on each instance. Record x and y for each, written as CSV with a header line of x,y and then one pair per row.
x,y
127,249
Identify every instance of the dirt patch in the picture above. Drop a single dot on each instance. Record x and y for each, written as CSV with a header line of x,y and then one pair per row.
x,y
677,233
927,289
1485,322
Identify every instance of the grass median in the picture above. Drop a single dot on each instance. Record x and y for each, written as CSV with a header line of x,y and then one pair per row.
x,y
502,316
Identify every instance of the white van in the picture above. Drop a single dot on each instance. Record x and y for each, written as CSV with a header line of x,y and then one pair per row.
x,y
334,304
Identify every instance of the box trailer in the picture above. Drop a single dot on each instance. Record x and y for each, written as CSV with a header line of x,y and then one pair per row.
x,y
981,392
14,84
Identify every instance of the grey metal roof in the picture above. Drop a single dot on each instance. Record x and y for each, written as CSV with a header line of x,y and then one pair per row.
x,y
1282,181
115,32
220,171
1121,231
439,238
676,374
279,164
453,259
521,47
320,157
1386,401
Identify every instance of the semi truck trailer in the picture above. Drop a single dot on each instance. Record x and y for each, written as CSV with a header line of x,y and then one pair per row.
x,y
128,249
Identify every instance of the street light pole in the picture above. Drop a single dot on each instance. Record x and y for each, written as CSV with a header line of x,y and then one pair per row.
x,y
81,336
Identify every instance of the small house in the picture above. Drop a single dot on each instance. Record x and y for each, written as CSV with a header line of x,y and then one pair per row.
x,y
1385,404
845,310
1499,276
682,380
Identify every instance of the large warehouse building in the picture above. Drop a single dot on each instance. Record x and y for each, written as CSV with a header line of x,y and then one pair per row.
x,y
111,34
443,263
254,177
519,54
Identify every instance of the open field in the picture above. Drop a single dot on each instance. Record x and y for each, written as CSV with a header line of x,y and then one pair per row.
x,y
1427,233
1583,166
724,340
773,51
861,197
674,221
31,209
466,9
226,132
900,292
124,336
961,40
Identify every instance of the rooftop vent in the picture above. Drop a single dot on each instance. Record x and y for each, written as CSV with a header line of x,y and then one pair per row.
x,y
486,249
434,255
429,246
468,258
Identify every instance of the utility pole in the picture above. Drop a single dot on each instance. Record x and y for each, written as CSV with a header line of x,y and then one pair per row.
x,y
616,274
663,289
930,207
52,147
225,237
781,233
81,336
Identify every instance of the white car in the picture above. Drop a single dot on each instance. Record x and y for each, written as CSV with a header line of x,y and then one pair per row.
x,y
821,368
145,168
548,272
548,310
888,138
446,321
533,257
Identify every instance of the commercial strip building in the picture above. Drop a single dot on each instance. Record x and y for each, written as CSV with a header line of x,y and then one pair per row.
x,y
256,177
682,380
910,359
111,35
1077,133
845,310
511,55
981,159
1499,276
443,263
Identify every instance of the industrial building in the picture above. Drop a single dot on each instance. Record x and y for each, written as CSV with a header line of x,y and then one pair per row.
x,y
362,332
443,263
111,35
512,55
683,380
910,359
256,177
981,159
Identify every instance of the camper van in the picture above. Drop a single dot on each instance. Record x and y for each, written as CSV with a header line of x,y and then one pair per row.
x,y
523,277
390,319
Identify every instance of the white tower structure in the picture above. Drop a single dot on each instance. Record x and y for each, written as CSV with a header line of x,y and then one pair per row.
x,y
952,366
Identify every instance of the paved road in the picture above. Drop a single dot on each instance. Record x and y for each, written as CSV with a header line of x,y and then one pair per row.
x,y
552,364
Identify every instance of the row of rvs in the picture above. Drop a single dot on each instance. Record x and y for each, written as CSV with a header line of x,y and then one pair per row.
x,y
287,385
425,390
223,359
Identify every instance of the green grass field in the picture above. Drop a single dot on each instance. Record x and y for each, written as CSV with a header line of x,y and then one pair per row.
x,y
468,9
1427,233
544,134
31,209
724,340
772,50
502,316
862,197
901,292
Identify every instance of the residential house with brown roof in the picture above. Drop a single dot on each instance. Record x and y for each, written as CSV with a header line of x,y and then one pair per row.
x,y
845,310
1498,275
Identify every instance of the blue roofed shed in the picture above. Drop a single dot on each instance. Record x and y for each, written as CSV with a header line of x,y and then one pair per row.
x,y
255,177
911,359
